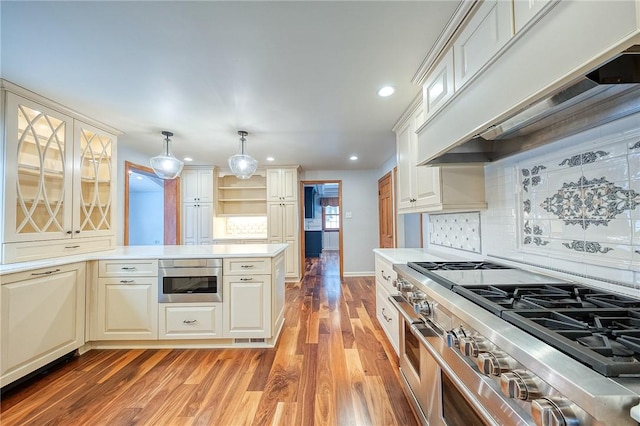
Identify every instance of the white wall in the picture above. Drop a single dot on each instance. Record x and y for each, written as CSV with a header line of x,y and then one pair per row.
x,y
125,154
146,229
360,232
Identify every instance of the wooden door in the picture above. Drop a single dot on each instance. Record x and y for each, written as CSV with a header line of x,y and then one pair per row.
x,y
385,210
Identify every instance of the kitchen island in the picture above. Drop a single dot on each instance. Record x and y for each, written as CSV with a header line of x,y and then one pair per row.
x,y
110,299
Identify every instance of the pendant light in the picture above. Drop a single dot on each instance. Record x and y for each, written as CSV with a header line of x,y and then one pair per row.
x,y
165,164
242,165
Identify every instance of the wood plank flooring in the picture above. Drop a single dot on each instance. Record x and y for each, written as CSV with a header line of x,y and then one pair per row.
x,y
332,366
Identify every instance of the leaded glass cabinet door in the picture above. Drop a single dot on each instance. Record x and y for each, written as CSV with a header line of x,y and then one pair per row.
x,y
93,191
38,172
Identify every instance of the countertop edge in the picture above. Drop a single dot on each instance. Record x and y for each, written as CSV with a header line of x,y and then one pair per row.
x,y
152,252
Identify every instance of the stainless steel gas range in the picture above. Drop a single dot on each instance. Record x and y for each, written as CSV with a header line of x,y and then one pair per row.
x,y
485,344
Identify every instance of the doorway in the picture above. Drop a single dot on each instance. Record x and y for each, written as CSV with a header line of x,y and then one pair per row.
x,y
321,223
386,211
151,207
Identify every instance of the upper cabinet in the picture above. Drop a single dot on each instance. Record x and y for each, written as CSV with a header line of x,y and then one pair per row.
x,y
483,36
507,55
439,86
282,184
433,189
59,183
197,185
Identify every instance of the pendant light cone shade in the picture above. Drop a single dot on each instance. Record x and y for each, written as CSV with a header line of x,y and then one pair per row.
x,y
165,164
242,165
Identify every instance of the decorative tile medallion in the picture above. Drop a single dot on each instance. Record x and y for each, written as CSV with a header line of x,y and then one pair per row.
x,y
635,146
531,177
526,206
587,247
590,202
585,158
532,235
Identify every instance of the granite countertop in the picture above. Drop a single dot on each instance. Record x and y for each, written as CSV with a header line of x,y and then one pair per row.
x,y
153,252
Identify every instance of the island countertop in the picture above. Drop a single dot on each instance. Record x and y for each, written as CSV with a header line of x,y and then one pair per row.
x,y
153,252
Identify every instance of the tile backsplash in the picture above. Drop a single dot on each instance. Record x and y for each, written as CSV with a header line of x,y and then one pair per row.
x,y
246,226
572,206
456,230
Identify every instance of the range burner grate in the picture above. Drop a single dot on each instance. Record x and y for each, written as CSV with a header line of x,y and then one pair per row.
x,y
454,266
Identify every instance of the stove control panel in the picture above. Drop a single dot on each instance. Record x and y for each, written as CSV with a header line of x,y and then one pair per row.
x,y
520,384
553,411
494,363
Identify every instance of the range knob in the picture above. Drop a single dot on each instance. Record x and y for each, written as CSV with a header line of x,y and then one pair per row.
x,y
473,346
421,307
553,411
494,363
453,337
404,285
519,384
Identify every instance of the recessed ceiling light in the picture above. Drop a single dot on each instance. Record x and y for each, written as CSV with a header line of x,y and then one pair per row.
x,y
353,158
270,159
386,91
139,177
188,159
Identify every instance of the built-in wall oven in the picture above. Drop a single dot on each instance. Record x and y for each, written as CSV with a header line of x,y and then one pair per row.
x,y
189,280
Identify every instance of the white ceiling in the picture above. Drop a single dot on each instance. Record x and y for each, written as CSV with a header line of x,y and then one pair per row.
x,y
301,77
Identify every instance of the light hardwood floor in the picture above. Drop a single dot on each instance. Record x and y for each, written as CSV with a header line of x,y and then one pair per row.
x,y
332,366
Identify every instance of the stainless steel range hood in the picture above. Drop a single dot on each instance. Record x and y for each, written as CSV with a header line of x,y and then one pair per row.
x,y
606,94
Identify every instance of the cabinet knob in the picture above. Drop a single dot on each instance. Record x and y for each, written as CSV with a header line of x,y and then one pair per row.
x,y
77,231
69,232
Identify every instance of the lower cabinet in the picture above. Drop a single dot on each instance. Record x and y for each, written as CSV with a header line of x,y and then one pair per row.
x,y
387,315
248,306
126,305
190,321
42,318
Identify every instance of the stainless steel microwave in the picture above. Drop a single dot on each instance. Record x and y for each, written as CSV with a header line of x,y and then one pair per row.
x,y
189,280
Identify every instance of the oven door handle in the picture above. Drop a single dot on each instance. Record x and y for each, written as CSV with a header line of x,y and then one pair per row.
x,y
416,329
405,310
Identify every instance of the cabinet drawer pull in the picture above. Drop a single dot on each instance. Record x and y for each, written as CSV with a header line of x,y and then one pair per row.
x,y
190,321
71,247
389,319
127,281
128,268
46,272
246,279
386,278
246,266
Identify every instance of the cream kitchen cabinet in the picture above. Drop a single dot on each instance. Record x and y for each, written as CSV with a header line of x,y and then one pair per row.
x,y
190,320
437,89
197,205
282,227
524,11
197,185
59,191
432,189
197,223
42,318
282,184
127,300
482,36
387,315
246,296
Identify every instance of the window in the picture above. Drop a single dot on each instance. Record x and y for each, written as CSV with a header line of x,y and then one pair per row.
x,y
331,218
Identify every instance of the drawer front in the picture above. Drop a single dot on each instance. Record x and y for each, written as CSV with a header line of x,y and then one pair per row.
x,y
388,317
182,321
385,275
246,266
128,268
35,250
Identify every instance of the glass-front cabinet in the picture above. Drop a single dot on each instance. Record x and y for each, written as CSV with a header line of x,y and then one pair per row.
x,y
58,176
